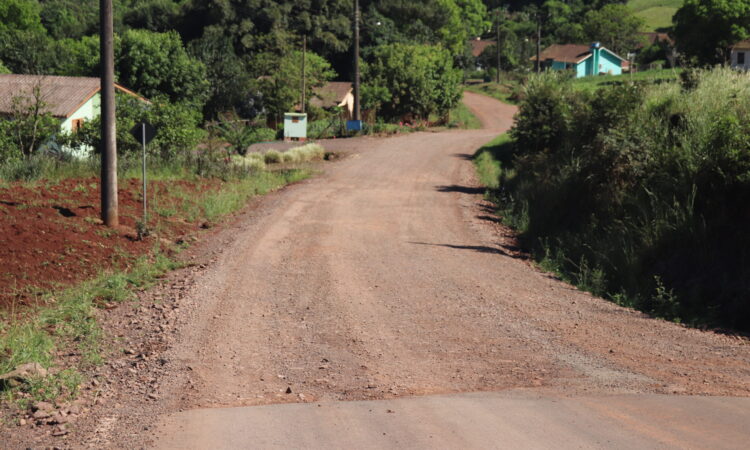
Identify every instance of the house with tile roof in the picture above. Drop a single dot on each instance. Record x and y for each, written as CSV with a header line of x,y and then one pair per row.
x,y
583,60
72,100
478,46
334,94
740,55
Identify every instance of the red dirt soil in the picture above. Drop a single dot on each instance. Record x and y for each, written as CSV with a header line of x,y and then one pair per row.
x,y
52,236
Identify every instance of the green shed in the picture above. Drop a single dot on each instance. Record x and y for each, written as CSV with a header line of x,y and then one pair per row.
x,y
295,126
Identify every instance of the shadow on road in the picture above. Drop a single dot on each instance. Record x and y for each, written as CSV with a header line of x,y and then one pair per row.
x,y
462,189
479,248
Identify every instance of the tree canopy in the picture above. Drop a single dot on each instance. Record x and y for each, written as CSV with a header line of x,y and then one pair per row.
x,y
706,29
420,79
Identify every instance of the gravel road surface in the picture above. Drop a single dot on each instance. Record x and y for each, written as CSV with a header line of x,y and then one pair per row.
x,y
389,277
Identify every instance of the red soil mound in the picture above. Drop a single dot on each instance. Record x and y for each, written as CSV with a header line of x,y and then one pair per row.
x,y
51,235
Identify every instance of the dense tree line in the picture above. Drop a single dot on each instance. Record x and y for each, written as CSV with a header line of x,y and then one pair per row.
x,y
224,56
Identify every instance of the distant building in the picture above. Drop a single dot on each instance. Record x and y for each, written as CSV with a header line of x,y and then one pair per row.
x,y
583,60
334,94
73,100
740,58
478,46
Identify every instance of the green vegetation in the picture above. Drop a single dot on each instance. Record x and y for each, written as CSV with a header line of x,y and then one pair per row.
x,y
462,117
412,80
635,192
69,322
645,77
656,14
707,29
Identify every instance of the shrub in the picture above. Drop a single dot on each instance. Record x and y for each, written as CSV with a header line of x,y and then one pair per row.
x,y
420,80
641,192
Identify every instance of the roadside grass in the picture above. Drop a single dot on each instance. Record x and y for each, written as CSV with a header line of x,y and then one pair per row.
x,y
494,165
490,159
505,92
297,155
462,117
645,77
68,322
634,193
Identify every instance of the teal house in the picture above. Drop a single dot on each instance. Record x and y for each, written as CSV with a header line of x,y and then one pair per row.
x,y
583,60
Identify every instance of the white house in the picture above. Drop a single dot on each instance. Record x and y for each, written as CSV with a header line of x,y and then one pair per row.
x,y
73,100
740,58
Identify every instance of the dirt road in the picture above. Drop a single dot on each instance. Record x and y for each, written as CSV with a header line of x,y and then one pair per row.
x,y
387,277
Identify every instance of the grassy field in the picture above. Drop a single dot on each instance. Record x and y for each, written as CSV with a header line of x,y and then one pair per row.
x,y
649,76
657,13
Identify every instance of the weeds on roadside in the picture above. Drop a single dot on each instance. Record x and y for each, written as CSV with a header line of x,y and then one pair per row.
x,y
636,192
70,322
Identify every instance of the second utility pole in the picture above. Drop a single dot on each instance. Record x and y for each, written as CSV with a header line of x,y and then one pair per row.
x,y
356,61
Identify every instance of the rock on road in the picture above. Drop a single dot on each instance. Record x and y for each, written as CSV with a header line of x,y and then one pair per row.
x,y
386,284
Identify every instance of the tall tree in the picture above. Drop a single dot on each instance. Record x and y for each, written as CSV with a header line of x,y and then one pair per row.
x,y
615,26
706,29
156,64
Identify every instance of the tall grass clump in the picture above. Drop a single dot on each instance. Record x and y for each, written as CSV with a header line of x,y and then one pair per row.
x,y
305,153
639,192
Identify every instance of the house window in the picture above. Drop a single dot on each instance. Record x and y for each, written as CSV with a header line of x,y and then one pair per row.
x,y
741,58
77,124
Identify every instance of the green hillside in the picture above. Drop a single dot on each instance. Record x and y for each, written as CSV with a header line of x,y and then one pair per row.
x,y
657,13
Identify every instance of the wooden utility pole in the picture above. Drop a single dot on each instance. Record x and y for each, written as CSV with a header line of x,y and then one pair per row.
x,y
109,137
497,45
304,55
356,61
538,42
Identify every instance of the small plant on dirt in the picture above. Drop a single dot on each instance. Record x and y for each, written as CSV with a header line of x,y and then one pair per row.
x,y
141,229
664,303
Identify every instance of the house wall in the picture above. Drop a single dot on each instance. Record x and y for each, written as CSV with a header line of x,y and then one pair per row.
x,y
557,65
588,66
735,65
90,110
609,63
348,104
581,68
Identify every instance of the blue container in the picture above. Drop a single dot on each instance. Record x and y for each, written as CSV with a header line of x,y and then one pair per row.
x,y
354,125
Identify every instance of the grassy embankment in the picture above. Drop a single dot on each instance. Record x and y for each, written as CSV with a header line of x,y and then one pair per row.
x,y
657,14
637,193
63,320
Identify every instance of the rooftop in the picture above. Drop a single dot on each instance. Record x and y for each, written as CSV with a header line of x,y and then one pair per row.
x,y
331,94
568,53
478,46
62,96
